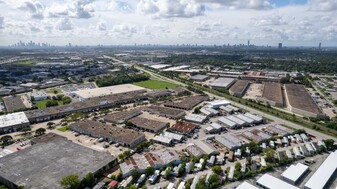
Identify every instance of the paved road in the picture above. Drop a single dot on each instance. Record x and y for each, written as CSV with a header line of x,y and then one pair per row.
x,y
278,120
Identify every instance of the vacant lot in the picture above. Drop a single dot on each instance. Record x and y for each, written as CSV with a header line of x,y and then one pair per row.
x,y
155,84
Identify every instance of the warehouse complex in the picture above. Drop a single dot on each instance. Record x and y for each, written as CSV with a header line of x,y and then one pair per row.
x,y
13,122
121,117
14,104
125,137
147,124
165,111
32,167
272,94
222,83
299,101
187,103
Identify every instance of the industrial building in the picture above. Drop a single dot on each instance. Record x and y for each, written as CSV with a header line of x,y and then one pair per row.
x,y
37,96
215,104
165,112
13,122
183,127
195,118
246,185
239,122
43,165
256,118
272,94
125,137
239,88
104,91
188,103
227,123
294,173
222,83
269,182
147,124
199,78
229,141
123,116
323,174
299,101
14,104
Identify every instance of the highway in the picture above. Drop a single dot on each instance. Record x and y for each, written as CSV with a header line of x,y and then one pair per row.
x,y
277,120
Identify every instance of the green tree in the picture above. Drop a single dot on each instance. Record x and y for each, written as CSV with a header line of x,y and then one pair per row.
x,y
3,187
40,131
238,166
6,139
50,125
89,180
119,177
149,171
217,170
135,175
131,187
70,182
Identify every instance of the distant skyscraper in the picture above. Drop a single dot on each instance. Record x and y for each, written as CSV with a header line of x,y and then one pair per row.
x,y
248,43
319,45
69,44
280,45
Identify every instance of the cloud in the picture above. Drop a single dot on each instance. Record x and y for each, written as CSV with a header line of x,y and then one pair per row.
x,y
323,5
171,8
101,26
64,24
241,4
2,22
124,30
82,9
274,20
35,8
120,5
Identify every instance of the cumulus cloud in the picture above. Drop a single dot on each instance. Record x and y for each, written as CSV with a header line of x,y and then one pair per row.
x,y
120,5
74,9
273,20
125,30
2,22
241,4
101,26
64,24
35,8
323,5
171,8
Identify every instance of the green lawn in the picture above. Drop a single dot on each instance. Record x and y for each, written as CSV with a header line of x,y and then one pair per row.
x,y
26,63
54,91
155,84
64,128
42,104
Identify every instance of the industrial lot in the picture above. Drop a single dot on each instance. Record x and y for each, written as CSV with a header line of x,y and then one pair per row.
x,y
130,134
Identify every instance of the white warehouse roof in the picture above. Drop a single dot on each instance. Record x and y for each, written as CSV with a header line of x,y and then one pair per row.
x,y
254,117
13,119
295,172
269,181
236,120
218,103
227,122
319,179
246,185
222,82
195,118
245,118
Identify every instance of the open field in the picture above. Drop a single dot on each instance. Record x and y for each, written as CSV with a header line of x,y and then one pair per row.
x,y
54,91
26,63
63,129
155,84
42,104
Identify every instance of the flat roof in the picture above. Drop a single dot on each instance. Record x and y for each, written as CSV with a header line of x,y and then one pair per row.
x,y
320,178
183,127
14,103
103,91
43,165
13,119
187,103
294,172
246,185
199,77
222,82
273,92
122,116
239,86
165,111
269,181
148,123
299,98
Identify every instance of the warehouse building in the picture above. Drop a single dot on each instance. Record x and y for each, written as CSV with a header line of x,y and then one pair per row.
x,y
324,174
183,127
121,117
165,112
256,118
196,118
239,88
269,182
240,123
163,140
188,103
294,173
245,118
13,122
299,101
199,78
215,104
229,141
104,91
43,165
206,147
125,137
246,185
14,104
227,123
272,94
147,124
222,83
38,96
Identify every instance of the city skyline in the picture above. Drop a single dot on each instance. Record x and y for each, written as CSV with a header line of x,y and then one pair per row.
x,y
202,22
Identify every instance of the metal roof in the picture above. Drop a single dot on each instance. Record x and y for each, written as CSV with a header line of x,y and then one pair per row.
x,y
295,172
269,181
246,185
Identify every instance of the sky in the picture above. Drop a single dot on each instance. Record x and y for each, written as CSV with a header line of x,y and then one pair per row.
x,y
170,22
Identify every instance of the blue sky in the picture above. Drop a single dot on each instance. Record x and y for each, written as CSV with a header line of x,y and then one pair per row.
x,y
114,22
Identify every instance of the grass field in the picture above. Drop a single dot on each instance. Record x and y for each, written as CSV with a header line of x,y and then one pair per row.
x,y
64,128
155,84
54,91
42,104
